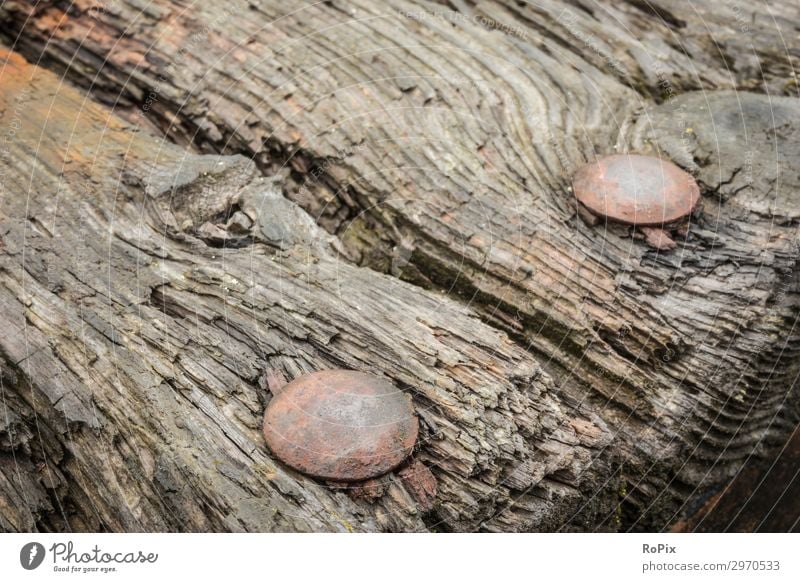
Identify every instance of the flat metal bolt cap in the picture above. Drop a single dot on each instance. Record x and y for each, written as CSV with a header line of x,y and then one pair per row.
x,y
637,190
341,425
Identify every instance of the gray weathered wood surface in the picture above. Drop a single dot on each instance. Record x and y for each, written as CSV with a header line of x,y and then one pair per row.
x,y
571,377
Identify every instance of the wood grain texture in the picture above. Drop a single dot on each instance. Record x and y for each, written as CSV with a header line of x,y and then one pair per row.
x,y
436,142
136,344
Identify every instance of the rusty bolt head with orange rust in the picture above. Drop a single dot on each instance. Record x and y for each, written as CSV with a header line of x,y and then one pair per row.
x,y
341,425
646,192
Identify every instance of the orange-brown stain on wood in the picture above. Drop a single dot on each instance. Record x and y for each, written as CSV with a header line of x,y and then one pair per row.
x,y
51,20
67,130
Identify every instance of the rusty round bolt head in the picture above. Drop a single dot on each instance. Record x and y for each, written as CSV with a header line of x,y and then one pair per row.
x,y
341,425
636,189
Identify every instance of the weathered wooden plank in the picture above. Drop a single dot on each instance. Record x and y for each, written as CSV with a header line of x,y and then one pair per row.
x,y
140,315
438,143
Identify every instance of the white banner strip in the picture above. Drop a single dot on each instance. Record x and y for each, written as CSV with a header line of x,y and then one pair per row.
x,y
351,558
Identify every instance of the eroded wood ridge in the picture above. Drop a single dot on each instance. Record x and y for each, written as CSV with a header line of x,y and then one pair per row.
x,y
438,143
